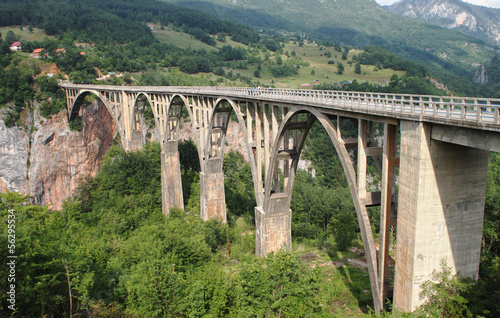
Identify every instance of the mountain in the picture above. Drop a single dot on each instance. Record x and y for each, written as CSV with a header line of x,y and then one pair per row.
x,y
357,23
477,21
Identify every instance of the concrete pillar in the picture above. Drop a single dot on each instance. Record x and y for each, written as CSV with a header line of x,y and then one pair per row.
x,y
442,190
274,226
171,181
212,196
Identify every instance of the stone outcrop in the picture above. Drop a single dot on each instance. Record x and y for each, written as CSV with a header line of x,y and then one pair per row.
x,y
48,168
14,151
477,21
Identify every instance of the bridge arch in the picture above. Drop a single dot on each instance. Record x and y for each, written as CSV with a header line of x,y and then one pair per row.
x,y
140,104
115,112
212,177
277,196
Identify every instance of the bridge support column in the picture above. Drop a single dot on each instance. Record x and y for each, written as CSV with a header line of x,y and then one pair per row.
x,y
136,141
212,195
440,214
273,227
171,181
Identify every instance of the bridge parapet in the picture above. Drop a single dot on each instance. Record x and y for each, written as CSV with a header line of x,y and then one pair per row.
x,y
472,112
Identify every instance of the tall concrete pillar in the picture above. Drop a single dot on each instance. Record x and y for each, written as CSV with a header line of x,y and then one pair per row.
x,y
274,226
212,195
442,190
171,181
136,141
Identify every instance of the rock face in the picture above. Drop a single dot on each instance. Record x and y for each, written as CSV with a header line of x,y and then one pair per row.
x,y
14,150
48,162
477,21
48,168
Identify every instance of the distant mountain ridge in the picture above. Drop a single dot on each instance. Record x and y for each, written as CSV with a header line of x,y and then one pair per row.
x,y
357,23
473,20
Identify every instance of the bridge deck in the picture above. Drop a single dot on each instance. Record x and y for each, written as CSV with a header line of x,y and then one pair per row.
x,y
471,112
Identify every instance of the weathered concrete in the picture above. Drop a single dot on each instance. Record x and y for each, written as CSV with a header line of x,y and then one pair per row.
x,y
441,204
274,228
213,199
171,180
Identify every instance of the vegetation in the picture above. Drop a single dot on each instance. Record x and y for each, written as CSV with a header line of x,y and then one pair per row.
x,y
111,252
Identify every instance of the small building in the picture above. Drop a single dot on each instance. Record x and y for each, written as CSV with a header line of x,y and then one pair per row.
x,y
60,52
16,46
39,53
151,26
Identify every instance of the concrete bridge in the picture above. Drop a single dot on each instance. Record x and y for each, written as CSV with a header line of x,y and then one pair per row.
x,y
440,145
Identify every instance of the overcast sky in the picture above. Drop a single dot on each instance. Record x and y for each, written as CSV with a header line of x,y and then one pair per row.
x,y
486,3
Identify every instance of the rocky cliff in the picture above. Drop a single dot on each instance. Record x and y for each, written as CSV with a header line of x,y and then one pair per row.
x,y
47,161
477,21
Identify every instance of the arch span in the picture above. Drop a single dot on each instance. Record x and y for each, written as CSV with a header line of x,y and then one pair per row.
x,y
212,178
275,215
115,112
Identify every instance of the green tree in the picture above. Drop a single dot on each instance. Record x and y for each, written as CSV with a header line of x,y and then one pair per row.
x,y
445,294
340,68
357,68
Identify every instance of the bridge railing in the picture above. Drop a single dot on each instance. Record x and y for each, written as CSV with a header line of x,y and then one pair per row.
x,y
481,110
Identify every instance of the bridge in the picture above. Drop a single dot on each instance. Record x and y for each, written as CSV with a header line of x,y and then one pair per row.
x,y
439,145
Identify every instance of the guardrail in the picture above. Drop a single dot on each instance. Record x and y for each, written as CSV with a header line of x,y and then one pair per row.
x,y
472,109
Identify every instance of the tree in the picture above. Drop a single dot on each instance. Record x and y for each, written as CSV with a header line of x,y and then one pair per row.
x,y
357,68
340,68
444,293
10,37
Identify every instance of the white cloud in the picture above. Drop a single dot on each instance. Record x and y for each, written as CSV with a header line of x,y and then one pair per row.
x,y
486,3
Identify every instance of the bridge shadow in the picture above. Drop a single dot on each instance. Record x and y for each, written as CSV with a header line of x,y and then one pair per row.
x,y
461,177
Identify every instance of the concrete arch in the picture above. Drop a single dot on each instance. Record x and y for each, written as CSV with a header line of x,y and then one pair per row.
x,y
241,121
171,114
136,109
77,104
284,199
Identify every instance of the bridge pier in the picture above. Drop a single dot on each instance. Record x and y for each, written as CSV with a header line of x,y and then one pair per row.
x,y
442,190
212,195
273,227
171,181
135,142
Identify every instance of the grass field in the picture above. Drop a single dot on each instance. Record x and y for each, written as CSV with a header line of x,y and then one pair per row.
x,y
35,35
318,68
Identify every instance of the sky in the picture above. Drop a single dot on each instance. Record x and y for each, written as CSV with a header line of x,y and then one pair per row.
x,y
486,3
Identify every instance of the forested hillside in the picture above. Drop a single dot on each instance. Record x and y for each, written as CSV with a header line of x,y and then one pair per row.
x,y
113,37
111,253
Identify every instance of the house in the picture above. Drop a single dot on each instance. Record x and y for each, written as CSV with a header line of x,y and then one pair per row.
x,y
16,46
151,26
60,51
345,84
39,53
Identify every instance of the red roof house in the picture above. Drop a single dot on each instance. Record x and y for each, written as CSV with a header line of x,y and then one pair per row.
x,y
39,53
16,46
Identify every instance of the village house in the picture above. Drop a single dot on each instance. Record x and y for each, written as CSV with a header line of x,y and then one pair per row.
x,y
16,46
39,53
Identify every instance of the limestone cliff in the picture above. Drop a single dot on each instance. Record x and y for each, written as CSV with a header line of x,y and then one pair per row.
x,y
477,21
48,168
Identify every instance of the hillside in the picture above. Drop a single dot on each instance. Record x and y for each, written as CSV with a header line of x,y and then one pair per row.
x,y
477,21
357,23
